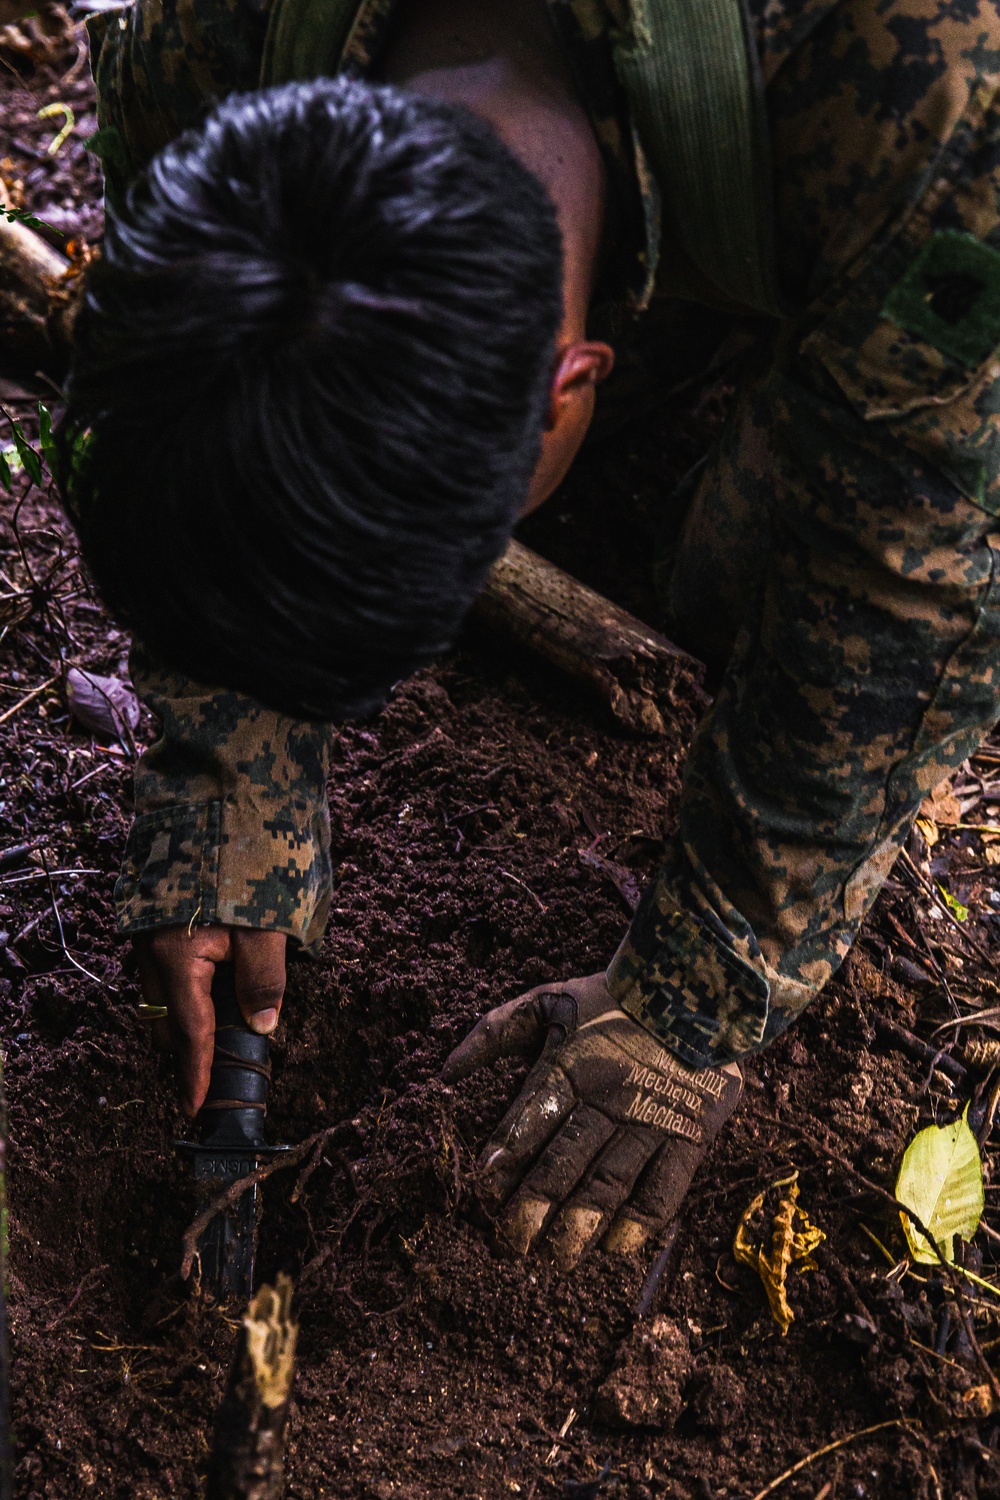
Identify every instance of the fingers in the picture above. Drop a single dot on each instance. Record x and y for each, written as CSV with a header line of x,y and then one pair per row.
x,y
540,1108
182,966
657,1196
662,1187
259,961
554,1176
511,1030
592,1206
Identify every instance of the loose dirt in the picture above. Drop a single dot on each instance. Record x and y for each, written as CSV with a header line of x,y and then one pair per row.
x,y
465,821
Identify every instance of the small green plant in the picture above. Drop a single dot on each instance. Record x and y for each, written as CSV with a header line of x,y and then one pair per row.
x,y
20,454
22,216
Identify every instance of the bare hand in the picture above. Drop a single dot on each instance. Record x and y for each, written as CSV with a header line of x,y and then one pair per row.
x,y
606,1133
177,966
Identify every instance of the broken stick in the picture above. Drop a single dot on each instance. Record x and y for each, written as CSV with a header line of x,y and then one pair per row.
x,y
247,1460
636,672
36,304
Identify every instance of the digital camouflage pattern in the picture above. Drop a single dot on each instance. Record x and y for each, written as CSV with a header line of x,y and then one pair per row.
x,y
838,560
840,552
232,823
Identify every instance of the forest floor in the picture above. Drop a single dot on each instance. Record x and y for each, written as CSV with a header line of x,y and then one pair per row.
x,y
465,823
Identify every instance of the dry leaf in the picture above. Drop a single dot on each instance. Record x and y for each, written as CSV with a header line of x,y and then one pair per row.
x,y
105,705
929,829
979,1400
942,806
788,1245
991,854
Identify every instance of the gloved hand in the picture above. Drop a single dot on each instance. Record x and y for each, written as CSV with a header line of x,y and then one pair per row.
x,y
607,1131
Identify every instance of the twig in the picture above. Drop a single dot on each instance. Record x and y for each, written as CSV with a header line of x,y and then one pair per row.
x,y
11,856
978,1018
59,927
35,693
91,1275
939,901
842,1442
655,1273
912,1046
518,881
554,1450
41,875
235,1190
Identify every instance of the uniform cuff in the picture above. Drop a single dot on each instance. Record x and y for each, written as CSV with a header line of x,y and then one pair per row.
x,y
237,862
679,975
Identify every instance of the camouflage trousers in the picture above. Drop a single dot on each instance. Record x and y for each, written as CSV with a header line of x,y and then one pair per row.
x,y
838,562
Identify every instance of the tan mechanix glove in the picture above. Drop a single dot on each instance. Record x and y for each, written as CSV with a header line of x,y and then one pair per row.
x,y
607,1131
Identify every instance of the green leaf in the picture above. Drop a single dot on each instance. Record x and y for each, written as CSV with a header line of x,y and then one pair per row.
x,y
45,438
941,1180
26,453
960,912
22,216
4,472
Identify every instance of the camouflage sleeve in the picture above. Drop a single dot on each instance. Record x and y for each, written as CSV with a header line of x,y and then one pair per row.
x,y
159,66
867,665
231,825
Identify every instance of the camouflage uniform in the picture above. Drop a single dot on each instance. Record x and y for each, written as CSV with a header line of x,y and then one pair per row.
x,y
838,556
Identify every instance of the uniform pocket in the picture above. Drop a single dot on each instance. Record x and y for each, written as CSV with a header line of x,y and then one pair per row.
x,y
914,340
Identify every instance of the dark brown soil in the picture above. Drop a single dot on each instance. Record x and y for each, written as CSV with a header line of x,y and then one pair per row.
x,y
429,1365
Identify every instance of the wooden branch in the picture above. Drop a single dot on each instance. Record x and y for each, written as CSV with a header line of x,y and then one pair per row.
x,y
36,302
636,672
247,1460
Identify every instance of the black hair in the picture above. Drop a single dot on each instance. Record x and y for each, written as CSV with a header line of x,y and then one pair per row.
x,y
313,362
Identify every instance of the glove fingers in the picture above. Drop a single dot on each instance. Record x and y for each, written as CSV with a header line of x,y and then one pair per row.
x,y
599,1196
554,1176
532,1120
508,1031
657,1195
662,1187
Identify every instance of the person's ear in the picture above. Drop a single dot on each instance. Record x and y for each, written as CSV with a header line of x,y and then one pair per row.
x,y
581,367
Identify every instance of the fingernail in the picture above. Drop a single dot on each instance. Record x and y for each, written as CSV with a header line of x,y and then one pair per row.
x,y
264,1021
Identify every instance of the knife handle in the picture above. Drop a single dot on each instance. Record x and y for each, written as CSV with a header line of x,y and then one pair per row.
x,y
236,1104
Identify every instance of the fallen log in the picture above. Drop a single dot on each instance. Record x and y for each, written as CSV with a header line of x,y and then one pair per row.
x,y
36,301
247,1461
637,673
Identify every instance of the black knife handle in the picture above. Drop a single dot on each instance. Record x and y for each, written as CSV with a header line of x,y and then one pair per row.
x,y
236,1104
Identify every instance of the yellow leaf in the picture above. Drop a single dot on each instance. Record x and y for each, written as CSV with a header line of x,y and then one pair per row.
x,y
929,829
788,1245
